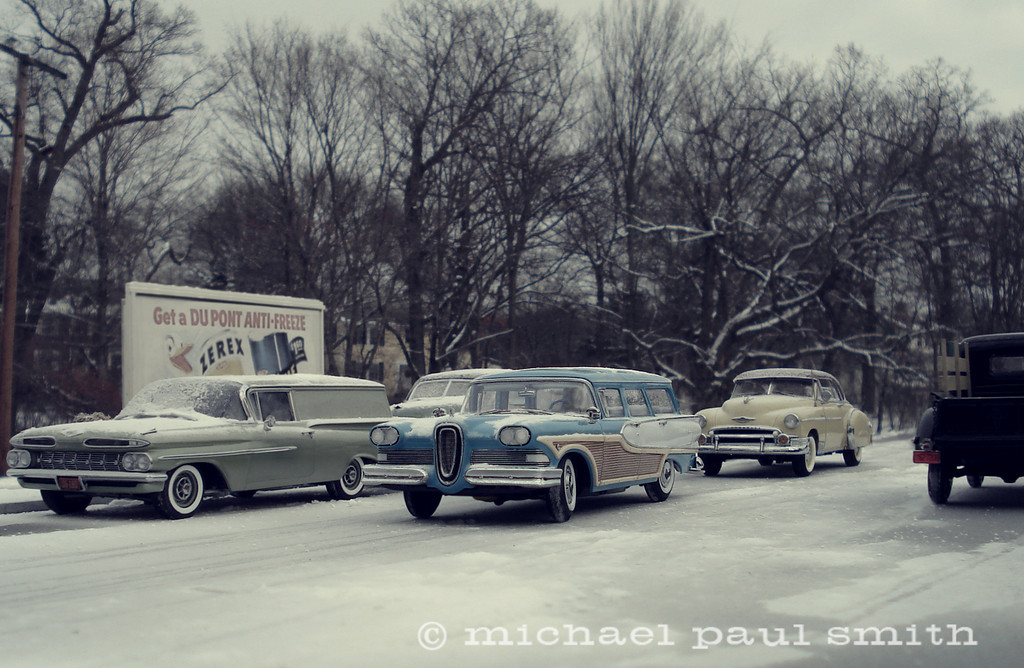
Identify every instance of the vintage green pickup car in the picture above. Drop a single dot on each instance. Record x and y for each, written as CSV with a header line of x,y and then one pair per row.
x,y
179,440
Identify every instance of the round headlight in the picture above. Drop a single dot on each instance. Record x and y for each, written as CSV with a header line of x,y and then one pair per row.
x,y
19,459
791,421
383,435
136,461
514,435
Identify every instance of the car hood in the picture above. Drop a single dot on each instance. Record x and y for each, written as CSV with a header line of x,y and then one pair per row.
x,y
761,408
425,407
129,427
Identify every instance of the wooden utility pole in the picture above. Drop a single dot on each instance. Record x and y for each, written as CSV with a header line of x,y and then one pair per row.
x,y
13,243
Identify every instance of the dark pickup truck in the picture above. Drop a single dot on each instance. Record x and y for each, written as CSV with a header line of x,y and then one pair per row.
x,y
975,426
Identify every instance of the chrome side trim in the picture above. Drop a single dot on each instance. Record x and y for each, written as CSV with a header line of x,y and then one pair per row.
x,y
231,453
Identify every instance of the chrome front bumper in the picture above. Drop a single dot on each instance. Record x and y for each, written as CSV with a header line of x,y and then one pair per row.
x,y
754,447
477,474
395,474
513,476
88,478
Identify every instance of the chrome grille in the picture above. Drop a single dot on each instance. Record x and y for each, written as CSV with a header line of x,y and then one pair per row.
x,y
408,456
448,453
65,460
743,435
509,457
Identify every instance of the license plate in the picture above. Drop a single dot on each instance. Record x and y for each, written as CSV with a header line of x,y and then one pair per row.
x,y
69,484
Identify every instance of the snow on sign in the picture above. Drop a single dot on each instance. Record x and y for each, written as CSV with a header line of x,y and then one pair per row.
x,y
171,331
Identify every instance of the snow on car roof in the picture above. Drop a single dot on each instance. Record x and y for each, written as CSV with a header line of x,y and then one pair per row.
x,y
290,380
594,374
458,373
786,373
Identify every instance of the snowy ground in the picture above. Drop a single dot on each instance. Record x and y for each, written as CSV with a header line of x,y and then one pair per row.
x,y
752,568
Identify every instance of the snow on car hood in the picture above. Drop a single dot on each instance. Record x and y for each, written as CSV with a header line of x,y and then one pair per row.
x,y
763,404
132,426
424,407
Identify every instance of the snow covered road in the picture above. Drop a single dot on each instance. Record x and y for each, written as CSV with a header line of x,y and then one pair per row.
x,y
755,567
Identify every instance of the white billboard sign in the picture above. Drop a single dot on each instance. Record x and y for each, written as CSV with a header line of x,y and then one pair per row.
x,y
170,331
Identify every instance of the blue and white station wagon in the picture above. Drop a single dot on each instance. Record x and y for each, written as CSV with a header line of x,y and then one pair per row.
x,y
547,433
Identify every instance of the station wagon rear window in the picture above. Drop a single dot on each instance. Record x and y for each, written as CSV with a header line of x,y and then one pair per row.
x,y
636,403
660,401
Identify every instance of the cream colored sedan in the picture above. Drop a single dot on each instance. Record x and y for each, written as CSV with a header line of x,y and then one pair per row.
x,y
784,415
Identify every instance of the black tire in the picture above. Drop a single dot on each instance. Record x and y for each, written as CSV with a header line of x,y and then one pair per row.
x,y
662,487
244,494
66,504
562,497
422,502
765,461
183,493
940,483
852,456
975,481
803,466
712,465
350,485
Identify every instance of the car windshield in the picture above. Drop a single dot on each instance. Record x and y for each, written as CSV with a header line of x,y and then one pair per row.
x,y
793,387
529,395
427,389
180,396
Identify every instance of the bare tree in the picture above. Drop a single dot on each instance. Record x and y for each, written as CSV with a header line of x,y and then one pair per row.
x,y
299,213
438,69
997,301
128,64
647,50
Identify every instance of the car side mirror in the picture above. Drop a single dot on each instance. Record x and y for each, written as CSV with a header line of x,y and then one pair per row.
x,y
593,414
269,423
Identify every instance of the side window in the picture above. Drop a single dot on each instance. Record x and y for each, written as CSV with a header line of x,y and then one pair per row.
x,y
275,403
660,400
637,404
612,401
830,392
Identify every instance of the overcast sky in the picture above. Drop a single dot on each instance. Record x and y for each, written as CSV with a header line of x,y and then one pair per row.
x,y
983,36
